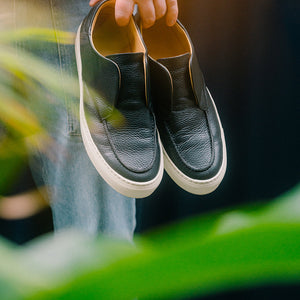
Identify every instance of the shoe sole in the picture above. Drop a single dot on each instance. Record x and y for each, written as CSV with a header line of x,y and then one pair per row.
x,y
198,187
121,184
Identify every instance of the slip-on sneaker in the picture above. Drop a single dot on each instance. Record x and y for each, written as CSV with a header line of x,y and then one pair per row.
x,y
187,119
112,71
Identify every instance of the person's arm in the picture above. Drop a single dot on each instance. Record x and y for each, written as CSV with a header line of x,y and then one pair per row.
x,y
150,11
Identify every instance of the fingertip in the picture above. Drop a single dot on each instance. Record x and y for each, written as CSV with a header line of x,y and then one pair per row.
x,y
92,3
122,20
160,14
172,13
148,22
123,11
160,9
147,12
171,21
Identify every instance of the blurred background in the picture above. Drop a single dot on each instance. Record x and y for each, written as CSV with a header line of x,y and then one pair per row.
x,y
249,53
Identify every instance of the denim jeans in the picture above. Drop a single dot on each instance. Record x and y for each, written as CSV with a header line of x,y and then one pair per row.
x,y
78,195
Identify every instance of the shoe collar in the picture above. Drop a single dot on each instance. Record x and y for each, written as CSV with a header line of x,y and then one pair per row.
x,y
196,76
92,17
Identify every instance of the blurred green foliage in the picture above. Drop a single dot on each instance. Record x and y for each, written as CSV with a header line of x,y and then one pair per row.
x,y
27,86
217,252
24,82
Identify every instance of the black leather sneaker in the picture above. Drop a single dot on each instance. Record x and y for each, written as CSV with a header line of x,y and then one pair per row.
x,y
187,119
112,70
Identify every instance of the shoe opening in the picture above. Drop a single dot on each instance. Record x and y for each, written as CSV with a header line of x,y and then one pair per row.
x,y
109,38
163,41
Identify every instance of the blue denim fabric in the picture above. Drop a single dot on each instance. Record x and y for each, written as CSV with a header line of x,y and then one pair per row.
x,y
79,196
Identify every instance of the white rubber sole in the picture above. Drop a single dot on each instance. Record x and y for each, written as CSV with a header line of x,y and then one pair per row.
x,y
198,187
121,184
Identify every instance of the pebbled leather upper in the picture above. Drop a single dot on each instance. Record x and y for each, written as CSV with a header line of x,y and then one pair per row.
x,y
186,117
186,123
98,71
134,141
118,82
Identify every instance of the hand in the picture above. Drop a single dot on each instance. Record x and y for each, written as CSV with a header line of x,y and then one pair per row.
x,y
150,11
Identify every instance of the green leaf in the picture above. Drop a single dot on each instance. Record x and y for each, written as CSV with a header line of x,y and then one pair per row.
x,y
32,67
44,79
236,249
36,34
9,170
16,116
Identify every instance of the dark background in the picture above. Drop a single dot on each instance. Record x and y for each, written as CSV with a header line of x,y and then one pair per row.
x,y
249,53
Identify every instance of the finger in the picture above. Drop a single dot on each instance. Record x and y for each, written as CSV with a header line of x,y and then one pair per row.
x,y
172,12
147,12
123,11
93,2
160,8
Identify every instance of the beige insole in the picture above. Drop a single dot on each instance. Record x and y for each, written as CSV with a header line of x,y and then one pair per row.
x,y
109,38
163,41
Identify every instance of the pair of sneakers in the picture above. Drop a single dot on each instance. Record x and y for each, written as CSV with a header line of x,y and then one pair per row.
x,y
168,119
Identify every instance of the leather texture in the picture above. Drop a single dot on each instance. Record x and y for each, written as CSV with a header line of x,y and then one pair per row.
x,y
186,118
98,71
118,81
